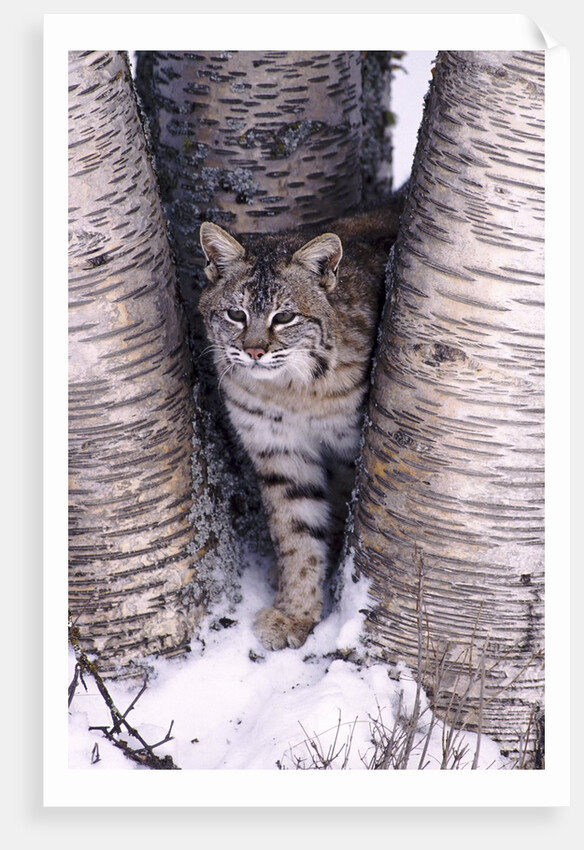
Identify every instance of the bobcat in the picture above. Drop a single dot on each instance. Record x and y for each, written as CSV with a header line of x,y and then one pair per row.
x,y
292,333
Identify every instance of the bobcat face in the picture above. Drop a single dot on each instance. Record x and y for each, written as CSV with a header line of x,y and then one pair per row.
x,y
267,311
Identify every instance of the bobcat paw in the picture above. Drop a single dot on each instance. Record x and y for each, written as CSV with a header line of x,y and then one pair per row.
x,y
277,630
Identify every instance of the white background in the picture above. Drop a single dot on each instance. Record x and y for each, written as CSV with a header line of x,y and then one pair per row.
x,y
25,822
407,95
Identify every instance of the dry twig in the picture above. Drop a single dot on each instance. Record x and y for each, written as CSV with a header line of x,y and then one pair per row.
x,y
144,754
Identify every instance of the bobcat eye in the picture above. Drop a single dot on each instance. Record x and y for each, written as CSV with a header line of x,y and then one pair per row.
x,y
236,315
283,318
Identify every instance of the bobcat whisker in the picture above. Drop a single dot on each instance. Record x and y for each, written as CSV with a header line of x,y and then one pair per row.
x,y
228,368
300,363
213,347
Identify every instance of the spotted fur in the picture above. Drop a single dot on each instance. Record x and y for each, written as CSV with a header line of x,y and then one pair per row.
x,y
292,324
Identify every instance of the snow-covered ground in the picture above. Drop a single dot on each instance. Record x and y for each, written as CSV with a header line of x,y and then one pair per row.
x,y
235,706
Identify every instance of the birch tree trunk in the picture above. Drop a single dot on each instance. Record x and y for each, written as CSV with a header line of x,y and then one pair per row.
x,y
137,543
257,141
449,523
264,141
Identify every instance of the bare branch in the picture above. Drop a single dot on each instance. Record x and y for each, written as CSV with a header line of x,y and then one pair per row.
x,y
143,755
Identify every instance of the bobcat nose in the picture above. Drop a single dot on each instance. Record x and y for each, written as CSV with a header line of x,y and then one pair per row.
x,y
255,353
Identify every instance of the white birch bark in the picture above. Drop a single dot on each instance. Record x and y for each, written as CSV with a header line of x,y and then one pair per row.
x,y
134,552
453,463
256,140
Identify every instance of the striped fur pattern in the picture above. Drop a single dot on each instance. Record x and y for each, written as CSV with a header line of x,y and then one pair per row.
x,y
292,329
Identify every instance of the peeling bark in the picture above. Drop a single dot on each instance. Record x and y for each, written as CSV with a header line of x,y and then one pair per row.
x,y
134,571
450,508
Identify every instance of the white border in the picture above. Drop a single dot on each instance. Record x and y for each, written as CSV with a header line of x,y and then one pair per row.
x,y
284,31
64,787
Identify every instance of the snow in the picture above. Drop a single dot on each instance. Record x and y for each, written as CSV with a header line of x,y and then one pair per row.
x,y
236,706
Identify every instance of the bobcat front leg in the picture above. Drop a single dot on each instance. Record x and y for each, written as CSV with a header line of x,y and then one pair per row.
x,y
295,496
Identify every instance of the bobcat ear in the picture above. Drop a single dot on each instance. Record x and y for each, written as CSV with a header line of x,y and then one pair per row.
x,y
322,256
220,249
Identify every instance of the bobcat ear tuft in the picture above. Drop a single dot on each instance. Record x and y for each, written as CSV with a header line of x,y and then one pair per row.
x,y
220,249
322,256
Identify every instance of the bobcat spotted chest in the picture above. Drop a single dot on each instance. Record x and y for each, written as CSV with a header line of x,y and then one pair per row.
x,y
292,331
